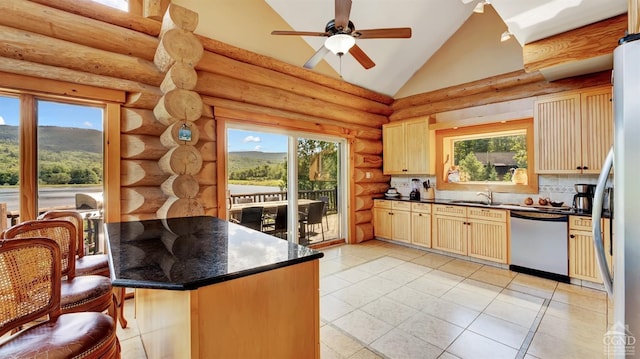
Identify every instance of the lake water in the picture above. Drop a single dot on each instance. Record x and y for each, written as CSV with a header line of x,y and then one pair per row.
x,y
66,196
241,189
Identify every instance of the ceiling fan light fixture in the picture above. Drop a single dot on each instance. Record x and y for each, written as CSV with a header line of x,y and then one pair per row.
x,y
505,36
339,44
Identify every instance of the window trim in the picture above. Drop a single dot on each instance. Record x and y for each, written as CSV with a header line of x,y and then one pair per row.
x,y
526,124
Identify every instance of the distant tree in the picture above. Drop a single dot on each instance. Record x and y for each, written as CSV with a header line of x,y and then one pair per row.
x,y
473,167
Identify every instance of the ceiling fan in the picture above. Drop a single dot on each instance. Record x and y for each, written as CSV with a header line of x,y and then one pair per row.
x,y
341,37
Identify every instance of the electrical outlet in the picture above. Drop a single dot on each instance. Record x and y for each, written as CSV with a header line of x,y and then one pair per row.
x,y
367,175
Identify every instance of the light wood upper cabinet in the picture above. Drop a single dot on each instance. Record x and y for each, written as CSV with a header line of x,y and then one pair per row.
x,y
406,147
573,131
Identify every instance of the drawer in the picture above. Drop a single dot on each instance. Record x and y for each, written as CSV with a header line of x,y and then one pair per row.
x,y
382,203
421,207
488,214
403,206
447,210
580,223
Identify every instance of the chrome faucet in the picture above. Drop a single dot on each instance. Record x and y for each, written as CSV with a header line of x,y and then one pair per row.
x,y
487,194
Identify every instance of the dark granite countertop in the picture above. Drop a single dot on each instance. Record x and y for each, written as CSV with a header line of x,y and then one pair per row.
x,y
505,206
191,252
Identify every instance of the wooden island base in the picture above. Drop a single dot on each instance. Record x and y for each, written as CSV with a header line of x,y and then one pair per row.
x,y
273,314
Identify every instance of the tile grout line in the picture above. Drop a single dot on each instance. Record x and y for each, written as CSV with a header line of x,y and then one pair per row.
x,y
533,329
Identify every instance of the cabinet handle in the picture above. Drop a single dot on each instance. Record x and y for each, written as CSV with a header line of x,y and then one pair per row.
x,y
579,167
572,236
585,167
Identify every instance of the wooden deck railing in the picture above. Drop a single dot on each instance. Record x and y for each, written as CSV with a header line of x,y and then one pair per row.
x,y
331,194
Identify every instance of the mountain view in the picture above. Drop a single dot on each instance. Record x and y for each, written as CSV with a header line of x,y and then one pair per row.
x,y
66,155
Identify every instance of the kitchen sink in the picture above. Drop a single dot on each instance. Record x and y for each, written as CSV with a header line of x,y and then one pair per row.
x,y
484,203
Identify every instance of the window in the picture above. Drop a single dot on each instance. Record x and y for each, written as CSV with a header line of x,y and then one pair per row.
x,y
494,156
51,149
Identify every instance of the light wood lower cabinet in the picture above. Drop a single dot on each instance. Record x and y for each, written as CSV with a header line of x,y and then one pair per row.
x,y
392,220
403,221
471,231
582,255
449,229
421,224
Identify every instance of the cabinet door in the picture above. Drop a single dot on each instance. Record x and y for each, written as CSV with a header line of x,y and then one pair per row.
x,y
401,226
487,240
557,134
582,257
597,128
421,229
449,234
382,222
417,146
393,149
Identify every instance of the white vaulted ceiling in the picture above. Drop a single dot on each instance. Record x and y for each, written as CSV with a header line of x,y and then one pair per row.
x,y
248,23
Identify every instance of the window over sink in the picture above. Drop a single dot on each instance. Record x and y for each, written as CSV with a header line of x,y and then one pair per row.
x,y
496,156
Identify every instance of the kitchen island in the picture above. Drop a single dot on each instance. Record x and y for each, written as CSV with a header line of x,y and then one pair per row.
x,y
207,288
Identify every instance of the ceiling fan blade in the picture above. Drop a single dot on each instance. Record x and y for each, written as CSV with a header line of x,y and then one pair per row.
x,y
390,33
299,33
343,10
361,57
316,58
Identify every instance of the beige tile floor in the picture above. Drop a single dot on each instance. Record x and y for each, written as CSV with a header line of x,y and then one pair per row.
x,y
381,300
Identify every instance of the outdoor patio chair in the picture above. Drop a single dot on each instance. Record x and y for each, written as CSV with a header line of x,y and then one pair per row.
x,y
251,217
313,217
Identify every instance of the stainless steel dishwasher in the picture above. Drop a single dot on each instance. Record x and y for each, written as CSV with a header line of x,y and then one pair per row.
x,y
539,244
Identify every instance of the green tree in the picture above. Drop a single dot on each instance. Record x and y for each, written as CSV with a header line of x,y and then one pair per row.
x,y
473,167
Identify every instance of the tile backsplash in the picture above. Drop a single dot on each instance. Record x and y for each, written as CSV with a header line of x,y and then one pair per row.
x,y
557,187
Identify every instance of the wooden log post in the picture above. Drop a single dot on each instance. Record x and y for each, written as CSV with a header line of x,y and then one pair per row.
x,y
178,109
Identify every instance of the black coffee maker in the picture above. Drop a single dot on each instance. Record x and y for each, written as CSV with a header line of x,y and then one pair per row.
x,y
583,200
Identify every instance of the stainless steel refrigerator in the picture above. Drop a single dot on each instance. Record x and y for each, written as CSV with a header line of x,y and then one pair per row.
x,y
624,285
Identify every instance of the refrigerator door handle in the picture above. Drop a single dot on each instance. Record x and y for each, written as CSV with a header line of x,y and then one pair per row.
x,y
596,216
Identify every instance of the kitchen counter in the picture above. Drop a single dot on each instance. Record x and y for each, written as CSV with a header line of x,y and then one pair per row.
x,y
505,206
207,288
187,253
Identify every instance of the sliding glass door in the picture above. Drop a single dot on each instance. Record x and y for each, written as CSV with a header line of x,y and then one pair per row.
x,y
293,181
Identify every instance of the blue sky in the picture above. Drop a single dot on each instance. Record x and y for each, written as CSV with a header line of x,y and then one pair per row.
x,y
53,114
241,140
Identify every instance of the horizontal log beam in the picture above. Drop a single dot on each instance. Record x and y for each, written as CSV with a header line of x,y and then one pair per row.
x,y
23,45
583,43
511,79
56,87
222,65
363,146
141,147
135,121
135,173
249,57
507,94
141,199
232,89
364,232
105,13
59,24
367,161
275,117
80,79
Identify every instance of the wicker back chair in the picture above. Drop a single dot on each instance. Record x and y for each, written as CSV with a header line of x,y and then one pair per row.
x,y
97,264
63,232
78,293
30,272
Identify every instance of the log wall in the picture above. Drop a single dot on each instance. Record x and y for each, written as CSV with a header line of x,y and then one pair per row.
x,y
91,44
85,43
